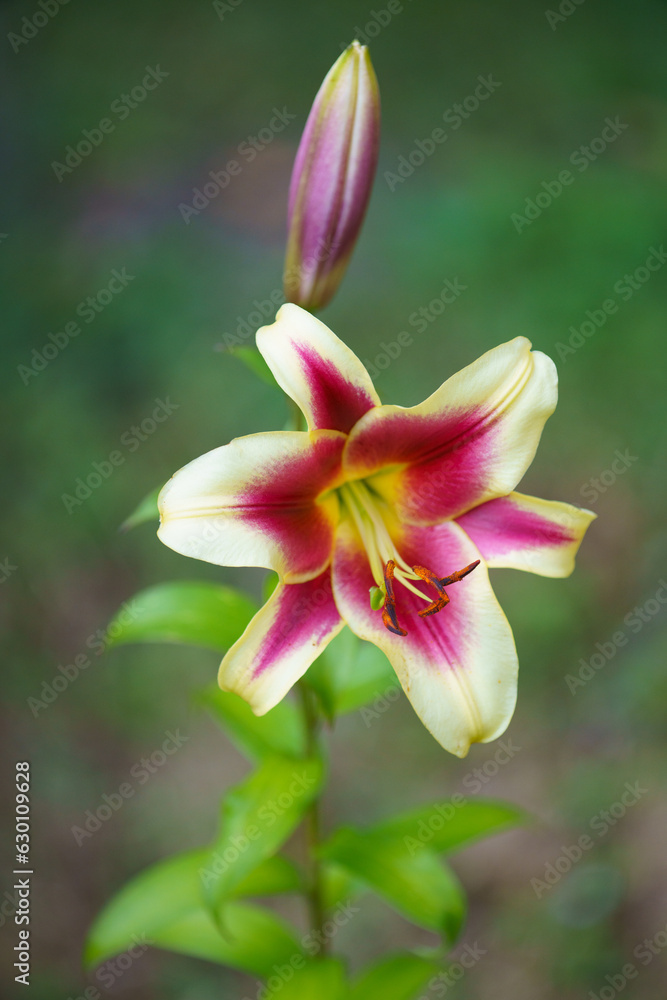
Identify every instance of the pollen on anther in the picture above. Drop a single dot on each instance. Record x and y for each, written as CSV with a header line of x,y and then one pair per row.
x,y
389,616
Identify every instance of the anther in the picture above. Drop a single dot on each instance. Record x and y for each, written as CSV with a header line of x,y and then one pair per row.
x,y
389,617
439,583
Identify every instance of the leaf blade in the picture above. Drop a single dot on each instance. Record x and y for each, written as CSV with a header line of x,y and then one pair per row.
x,y
451,825
258,816
397,977
185,612
419,885
279,731
146,510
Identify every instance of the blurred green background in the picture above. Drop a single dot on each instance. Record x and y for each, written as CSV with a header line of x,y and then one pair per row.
x,y
66,571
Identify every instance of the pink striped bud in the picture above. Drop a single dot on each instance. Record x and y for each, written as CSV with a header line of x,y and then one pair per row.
x,y
332,179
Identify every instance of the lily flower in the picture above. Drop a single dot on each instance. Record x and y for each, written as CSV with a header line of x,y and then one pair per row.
x,y
385,519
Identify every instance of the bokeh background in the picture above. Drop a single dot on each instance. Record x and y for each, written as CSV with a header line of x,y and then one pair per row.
x,y
67,571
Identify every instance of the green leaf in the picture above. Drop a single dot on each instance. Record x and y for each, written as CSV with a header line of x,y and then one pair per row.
x,y
279,731
257,939
169,892
321,980
271,877
189,612
257,818
253,360
417,884
399,977
339,886
452,824
146,510
158,896
164,906
350,673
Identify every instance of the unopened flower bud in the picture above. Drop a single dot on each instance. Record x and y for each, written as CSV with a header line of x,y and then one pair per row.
x,y
332,179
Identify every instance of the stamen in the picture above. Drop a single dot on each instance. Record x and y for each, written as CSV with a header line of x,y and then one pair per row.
x,y
389,616
440,583
387,566
430,577
455,577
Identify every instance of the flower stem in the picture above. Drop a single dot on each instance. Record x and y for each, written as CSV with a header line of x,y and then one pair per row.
x,y
314,888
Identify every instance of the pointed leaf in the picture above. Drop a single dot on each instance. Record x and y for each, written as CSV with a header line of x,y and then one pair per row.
x,y
256,941
339,886
189,612
418,885
399,977
254,361
156,897
146,510
279,731
273,876
451,825
168,892
257,818
321,980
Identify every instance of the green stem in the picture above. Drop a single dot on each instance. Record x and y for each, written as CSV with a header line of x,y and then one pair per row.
x,y
314,887
296,416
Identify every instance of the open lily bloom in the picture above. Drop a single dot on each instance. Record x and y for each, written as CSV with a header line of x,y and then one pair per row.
x,y
383,518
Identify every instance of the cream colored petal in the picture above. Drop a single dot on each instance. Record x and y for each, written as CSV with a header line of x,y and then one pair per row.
x,y
317,370
262,500
522,532
469,442
280,643
458,667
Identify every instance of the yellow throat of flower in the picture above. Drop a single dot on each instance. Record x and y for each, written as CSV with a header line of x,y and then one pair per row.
x,y
370,514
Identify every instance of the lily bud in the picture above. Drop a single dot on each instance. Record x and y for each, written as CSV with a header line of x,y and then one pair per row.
x,y
332,179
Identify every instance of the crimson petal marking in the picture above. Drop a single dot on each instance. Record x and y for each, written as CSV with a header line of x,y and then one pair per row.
x,y
317,370
459,667
523,532
285,636
258,502
470,441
